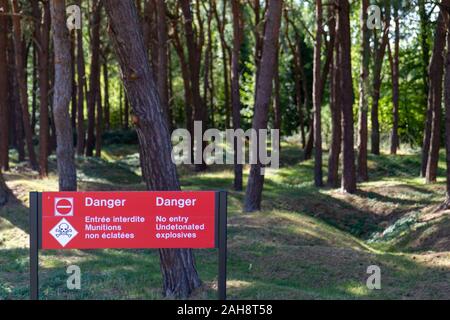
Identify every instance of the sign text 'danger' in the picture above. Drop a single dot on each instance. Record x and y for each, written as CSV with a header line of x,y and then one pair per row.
x,y
99,220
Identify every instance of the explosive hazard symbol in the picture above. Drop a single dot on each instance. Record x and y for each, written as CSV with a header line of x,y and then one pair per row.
x,y
63,232
63,207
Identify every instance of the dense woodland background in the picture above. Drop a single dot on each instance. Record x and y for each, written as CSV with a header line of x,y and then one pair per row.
x,y
349,96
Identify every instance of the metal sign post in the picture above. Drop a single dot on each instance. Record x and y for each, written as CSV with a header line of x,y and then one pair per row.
x,y
34,245
36,226
222,280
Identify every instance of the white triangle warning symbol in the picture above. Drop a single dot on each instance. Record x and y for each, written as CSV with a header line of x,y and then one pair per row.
x,y
63,232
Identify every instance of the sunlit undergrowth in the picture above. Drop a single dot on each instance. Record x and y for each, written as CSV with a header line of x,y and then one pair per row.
x,y
306,243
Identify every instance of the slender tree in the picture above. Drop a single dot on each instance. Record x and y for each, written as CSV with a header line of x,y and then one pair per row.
x,y
363,174
235,89
5,193
395,72
446,203
22,82
94,77
379,52
226,52
346,92
317,97
436,71
162,75
4,105
188,114
194,42
15,105
61,98
42,36
335,108
262,99
106,96
81,77
295,51
180,277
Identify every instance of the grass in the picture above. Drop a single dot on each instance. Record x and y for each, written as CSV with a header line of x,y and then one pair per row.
x,y
307,243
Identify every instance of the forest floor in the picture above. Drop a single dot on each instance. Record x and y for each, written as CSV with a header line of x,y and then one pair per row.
x,y
307,243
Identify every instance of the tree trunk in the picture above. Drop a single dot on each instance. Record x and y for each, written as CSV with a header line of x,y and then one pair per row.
x,y
336,114
94,78
106,104
262,99
317,99
162,67
395,82
277,116
22,82
295,51
235,89
126,112
194,43
4,105
424,37
4,190
177,265
73,104
447,117
81,71
14,102
98,123
34,89
221,23
346,91
380,51
186,82
363,173
42,35
436,72
61,99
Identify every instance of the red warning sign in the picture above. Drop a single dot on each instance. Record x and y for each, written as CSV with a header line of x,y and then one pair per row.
x,y
98,220
63,206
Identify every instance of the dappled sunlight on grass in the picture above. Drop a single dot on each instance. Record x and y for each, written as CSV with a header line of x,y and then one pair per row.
x,y
356,289
307,243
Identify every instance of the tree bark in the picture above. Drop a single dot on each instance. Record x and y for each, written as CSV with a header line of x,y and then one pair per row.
x,y
42,35
5,193
162,68
336,112
98,122
295,51
194,42
177,265
221,23
447,115
4,105
395,82
262,99
277,116
186,80
235,89
346,91
380,51
363,173
424,22
81,71
94,77
106,103
61,98
22,82
14,102
317,99
436,71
